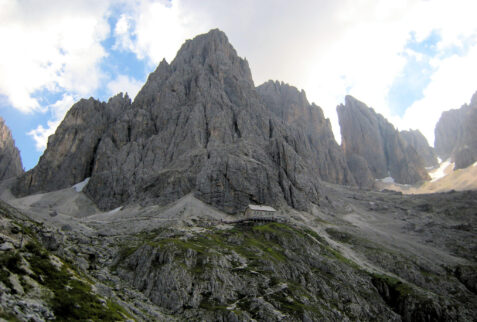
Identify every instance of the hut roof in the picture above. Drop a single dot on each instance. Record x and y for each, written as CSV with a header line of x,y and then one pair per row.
x,y
261,208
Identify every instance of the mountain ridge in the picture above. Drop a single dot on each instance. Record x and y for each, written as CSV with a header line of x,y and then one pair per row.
x,y
197,125
155,229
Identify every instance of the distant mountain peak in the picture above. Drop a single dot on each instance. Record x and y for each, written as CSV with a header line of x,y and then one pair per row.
x,y
456,135
10,161
473,101
374,148
213,51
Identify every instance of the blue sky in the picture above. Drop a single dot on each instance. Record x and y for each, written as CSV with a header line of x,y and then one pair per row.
x,y
118,62
408,87
408,59
416,74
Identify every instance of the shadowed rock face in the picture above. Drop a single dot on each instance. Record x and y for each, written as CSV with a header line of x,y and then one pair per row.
x,y
10,162
369,135
415,139
314,130
198,125
70,154
456,135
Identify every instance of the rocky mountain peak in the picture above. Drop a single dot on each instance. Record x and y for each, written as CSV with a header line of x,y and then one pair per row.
x,y
369,136
415,139
353,102
10,161
120,98
456,135
473,101
197,126
292,107
213,52
286,101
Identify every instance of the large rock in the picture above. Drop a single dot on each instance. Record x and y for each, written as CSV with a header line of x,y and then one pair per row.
x,y
415,139
10,161
369,135
198,125
456,135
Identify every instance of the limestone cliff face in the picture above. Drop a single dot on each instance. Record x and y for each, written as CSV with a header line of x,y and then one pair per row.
x,y
370,136
70,154
415,139
197,126
311,127
10,162
456,135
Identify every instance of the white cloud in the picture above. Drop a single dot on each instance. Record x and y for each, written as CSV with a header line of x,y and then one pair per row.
x,y
155,29
452,85
124,84
122,32
40,134
50,45
365,59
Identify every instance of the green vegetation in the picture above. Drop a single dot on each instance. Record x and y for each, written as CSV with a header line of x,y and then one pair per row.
x,y
336,254
10,262
72,298
341,236
294,300
256,243
9,317
211,306
268,251
5,279
395,285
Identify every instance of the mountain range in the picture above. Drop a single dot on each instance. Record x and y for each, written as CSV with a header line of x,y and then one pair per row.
x,y
142,199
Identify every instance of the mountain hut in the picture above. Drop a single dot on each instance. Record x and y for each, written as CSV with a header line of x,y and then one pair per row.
x,y
259,211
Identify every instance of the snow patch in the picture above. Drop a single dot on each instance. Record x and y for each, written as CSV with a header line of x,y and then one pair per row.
x,y
80,185
444,169
475,164
115,210
386,180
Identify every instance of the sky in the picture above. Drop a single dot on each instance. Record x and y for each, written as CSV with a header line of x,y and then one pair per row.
x,y
408,59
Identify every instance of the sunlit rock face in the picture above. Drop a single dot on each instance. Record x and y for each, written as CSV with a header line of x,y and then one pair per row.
x,y
10,162
456,135
198,126
369,135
